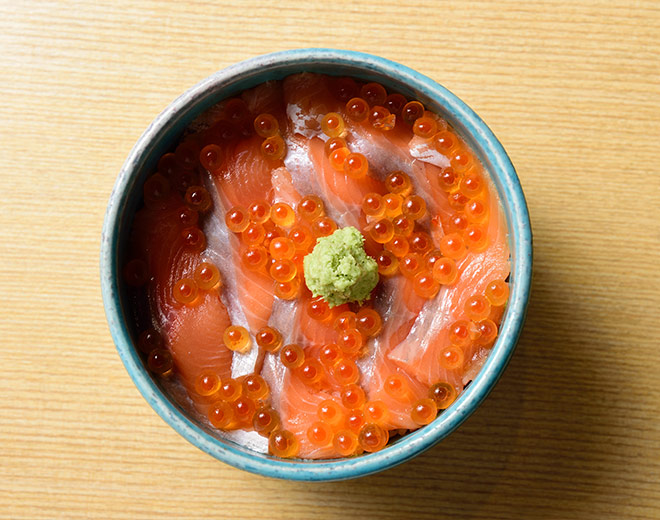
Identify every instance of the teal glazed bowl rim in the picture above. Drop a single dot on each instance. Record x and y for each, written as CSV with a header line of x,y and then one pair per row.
x,y
162,134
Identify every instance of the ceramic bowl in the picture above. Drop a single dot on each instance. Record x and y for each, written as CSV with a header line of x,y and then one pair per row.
x,y
165,130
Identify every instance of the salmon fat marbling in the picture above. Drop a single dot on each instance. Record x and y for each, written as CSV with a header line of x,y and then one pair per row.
x,y
215,267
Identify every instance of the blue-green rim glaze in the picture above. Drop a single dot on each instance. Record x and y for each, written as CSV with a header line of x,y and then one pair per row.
x,y
163,131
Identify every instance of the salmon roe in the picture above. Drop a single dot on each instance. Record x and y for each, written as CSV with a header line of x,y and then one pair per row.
x,y
476,238
255,258
403,226
283,270
319,310
459,334
149,340
443,394
310,372
211,157
198,198
273,148
388,264
373,205
330,355
265,125
381,118
237,219
333,124
266,420
269,339
452,357
476,210
425,127
381,231
288,290
156,190
292,356
282,248
412,111
345,442
254,234
301,237
230,390
237,338
376,412
136,273
420,242
259,211
398,182
207,383
395,103
330,412
319,434
487,330
373,437
352,397
393,205
452,246
282,214
333,144
207,276
345,321
397,387
221,415
356,165
346,372
282,443
477,307
244,409
448,180
186,292
160,362
445,271
255,387
355,421
338,157
497,292
399,246
323,227
350,341
425,285
369,322
373,93
414,207
310,207
193,239
424,411
357,109
410,265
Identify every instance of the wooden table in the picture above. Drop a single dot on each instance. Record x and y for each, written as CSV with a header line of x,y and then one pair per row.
x,y
572,89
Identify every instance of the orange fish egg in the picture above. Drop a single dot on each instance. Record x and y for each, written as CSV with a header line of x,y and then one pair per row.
x,y
323,227
376,412
373,205
448,180
210,157
198,198
373,93
445,142
397,387
355,421
188,217
230,390
168,164
237,219
399,246
283,270
381,231
388,264
443,394
357,109
254,234
425,285
255,387
410,265
338,157
244,409
373,437
272,231
477,307
345,442
136,273
457,201
459,333
292,356
414,207
369,322
283,443
487,332
445,271
333,124
255,258
476,210
193,239
330,355
476,238
269,339
207,276
412,111
310,207
452,246
425,127
398,182
431,257
381,118
319,310
156,190
424,411
282,214
187,154
356,165
237,338
393,205
259,211
319,434
265,420
160,362
149,340
497,292
330,412
345,321
346,372
350,341
288,290
236,110
403,226
352,397
221,415
461,160
395,103
266,125
310,372
333,144
452,357
207,383
344,88
282,248
273,148
301,237
472,184
458,223
186,292
420,242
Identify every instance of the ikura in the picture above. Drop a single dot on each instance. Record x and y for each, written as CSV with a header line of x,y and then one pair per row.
x,y
350,341
265,420
410,265
254,234
445,271
319,434
373,205
373,93
330,412
237,338
346,372
381,118
403,226
398,246
356,165
333,125
345,321
237,219
288,290
477,307
160,362
398,182
376,412
497,292
333,144
420,242
393,205
395,103
186,292
292,356
207,383
319,310
381,231
338,157
352,397
282,443
357,109
397,387
425,127
255,387
443,394
221,415
373,437
323,227
259,211
136,273
452,358
345,442
414,207
412,111
244,409
330,355
425,285
198,199
282,214
283,270
273,148
269,339
369,322
207,276
210,157
310,207
266,125
282,248
452,246
193,239
388,264
230,390
310,372
424,411
255,258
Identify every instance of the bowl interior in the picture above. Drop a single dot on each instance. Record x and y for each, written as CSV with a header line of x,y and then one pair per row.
x,y
162,135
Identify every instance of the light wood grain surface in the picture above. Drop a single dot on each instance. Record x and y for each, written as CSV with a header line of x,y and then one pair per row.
x,y
572,89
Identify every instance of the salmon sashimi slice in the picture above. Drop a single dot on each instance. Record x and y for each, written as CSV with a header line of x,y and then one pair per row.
x,y
419,353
